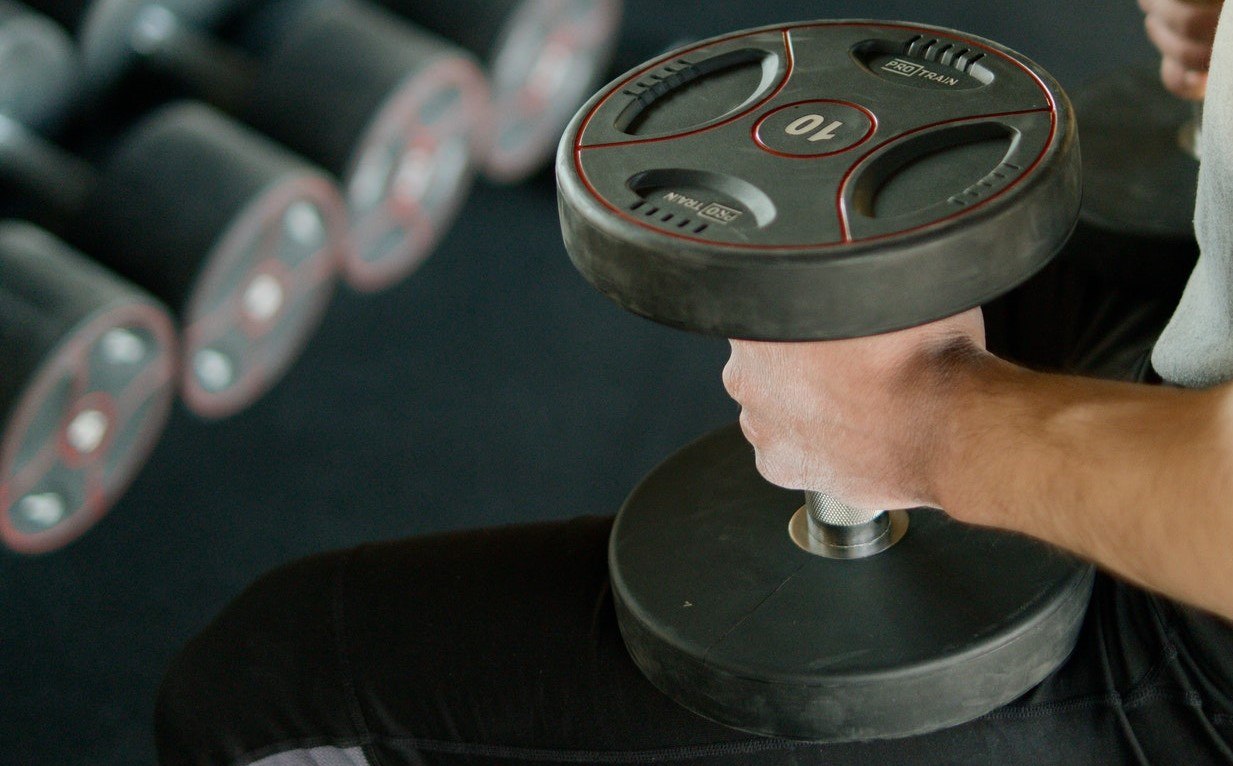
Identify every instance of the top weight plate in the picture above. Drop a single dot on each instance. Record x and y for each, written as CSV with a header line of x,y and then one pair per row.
x,y
819,180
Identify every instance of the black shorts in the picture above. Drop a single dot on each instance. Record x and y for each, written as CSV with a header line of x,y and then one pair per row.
x,y
500,646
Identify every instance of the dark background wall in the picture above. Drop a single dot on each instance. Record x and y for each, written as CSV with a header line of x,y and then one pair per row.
x,y
492,387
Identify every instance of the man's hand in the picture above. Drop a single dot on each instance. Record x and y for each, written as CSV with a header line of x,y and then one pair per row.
x,y
1183,32
1136,478
863,419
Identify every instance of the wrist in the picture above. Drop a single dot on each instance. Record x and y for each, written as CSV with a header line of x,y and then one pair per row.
x,y
974,392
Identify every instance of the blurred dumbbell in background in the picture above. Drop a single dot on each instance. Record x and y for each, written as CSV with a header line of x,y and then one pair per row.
x,y
89,363
1140,173
543,57
239,237
37,66
1141,147
397,114
87,360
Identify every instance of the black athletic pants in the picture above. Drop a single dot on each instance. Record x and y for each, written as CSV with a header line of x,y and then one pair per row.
x,y
500,646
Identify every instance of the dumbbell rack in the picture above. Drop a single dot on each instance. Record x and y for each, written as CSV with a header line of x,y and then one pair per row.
x,y
206,215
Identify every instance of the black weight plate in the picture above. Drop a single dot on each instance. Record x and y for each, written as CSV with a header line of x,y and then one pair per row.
x,y
819,180
1139,177
37,66
239,236
543,56
398,114
548,57
107,29
89,377
724,613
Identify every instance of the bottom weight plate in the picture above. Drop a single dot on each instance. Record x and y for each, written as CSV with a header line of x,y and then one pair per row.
x,y
729,617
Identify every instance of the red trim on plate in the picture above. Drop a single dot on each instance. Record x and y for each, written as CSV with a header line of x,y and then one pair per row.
x,y
842,211
754,131
1051,108
787,75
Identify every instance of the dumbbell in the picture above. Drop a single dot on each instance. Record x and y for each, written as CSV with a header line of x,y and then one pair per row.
x,y
237,235
814,181
88,359
89,366
1140,171
542,56
1141,155
395,113
37,66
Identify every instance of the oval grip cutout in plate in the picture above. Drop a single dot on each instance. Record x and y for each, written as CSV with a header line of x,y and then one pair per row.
x,y
934,168
689,95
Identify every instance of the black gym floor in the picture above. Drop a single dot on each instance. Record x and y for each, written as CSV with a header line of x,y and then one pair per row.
x,y
493,387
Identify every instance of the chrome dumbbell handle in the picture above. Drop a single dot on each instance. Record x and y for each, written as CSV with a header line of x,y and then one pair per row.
x,y
825,509
827,527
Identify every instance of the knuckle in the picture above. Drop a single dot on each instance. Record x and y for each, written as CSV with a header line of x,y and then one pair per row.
x,y
733,380
749,427
1199,24
1158,33
1196,57
1172,43
775,470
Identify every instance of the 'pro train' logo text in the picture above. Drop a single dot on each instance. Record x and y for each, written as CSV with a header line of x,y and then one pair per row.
x,y
905,68
712,210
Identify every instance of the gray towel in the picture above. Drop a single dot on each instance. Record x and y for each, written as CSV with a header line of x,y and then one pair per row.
x,y
1196,348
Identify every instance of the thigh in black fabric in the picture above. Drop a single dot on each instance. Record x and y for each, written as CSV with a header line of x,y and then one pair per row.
x,y
503,636
492,637
501,646
263,674
1075,317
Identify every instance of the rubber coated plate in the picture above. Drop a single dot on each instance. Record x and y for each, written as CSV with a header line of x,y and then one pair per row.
x,y
1138,176
262,296
411,173
398,114
36,66
83,428
806,181
238,235
546,61
107,31
726,615
89,366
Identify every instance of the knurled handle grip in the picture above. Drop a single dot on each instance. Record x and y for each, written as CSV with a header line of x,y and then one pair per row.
x,y
825,509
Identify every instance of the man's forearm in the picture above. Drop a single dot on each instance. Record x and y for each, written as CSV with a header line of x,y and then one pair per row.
x,y
1136,478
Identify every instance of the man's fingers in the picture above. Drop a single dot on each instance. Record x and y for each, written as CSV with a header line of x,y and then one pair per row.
x,y
1182,82
731,376
1195,20
1191,54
